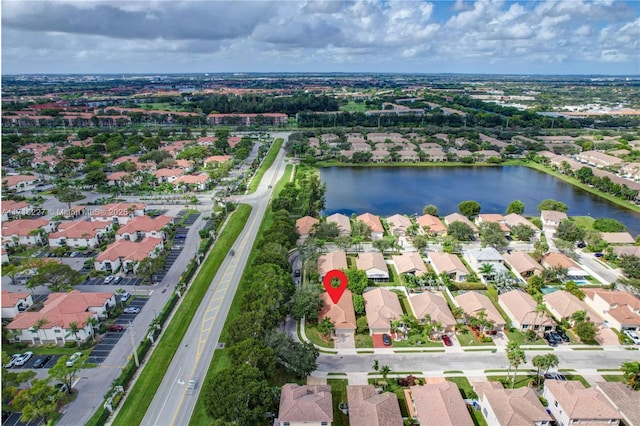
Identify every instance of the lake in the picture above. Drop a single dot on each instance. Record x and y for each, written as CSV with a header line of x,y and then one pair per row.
x,y
406,190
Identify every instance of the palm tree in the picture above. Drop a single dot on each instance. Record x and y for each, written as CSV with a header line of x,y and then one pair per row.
x,y
376,365
540,309
552,362
385,370
395,324
631,371
486,270
515,356
326,327
73,330
457,312
540,362
41,322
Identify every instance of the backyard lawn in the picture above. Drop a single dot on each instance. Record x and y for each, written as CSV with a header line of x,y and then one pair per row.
x,y
338,395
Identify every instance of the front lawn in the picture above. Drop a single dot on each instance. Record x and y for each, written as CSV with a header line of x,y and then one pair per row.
x,y
520,338
613,377
364,341
470,339
522,380
409,344
316,337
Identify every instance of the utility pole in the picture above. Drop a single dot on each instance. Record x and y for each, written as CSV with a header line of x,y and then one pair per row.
x,y
133,346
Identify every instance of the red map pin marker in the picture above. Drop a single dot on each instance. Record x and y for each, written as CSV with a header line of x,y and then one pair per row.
x,y
335,293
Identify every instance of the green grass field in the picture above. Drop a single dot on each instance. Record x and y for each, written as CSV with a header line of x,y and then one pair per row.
x,y
266,163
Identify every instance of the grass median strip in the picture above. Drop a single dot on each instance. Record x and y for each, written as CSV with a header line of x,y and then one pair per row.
x,y
140,397
266,163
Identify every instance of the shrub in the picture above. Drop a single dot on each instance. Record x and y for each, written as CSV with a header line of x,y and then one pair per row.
x,y
70,344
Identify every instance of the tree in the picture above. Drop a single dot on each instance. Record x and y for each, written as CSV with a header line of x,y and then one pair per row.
x,y
343,242
150,266
604,224
469,208
385,370
586,331
550,204
460,231
358,304
12,380
430,209
540,362
420,243
68,374
38,401
630,265
451,244
573,288
492,235
327,230
67,193
569,231
255,353
73,330
358,280
522,232
516,206
487,270
306,304
535,284
381,245
516,357
362,325
273,253
239,395
631,371
360,229
56,276
326,327
299,358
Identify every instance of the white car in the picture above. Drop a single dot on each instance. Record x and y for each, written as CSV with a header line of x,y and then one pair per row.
x,y
22,359
125,297
12,361
633,336
73,358
131,310
109,279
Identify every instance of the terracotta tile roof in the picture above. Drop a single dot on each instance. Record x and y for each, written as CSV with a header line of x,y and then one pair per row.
x,y
472,302
579,402
552,216
627,251
372,221
341,314
493,217
168,173
333,260
522,262
625,316
218,159
513,219
439,404
144,224
16,179
79,229
13,206
190,179
618,238
565,304
305,224
22,227
371,260
118,176
116,209
308,403
523,308
9,299
369,408
129,250
381,306
431,304
398,224
614,298
344,225
433,223
457,217
512,407
410,263
447,262
559,259
61,309
622,397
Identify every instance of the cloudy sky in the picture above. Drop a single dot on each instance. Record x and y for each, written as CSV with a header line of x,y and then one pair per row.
x,y
136,36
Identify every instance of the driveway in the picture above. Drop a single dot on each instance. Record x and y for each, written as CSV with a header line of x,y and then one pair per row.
x,y
345,341
606,336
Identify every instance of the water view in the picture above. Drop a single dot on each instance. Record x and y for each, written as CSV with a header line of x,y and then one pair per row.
x,y
406,190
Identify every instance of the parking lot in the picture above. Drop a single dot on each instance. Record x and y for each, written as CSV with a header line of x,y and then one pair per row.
x,y
110,338
124,281
13,419
32,360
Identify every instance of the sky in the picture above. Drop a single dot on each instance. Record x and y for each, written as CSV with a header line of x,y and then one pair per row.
x,y
204,36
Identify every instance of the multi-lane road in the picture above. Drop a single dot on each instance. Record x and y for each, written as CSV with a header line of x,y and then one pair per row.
x,y
172,404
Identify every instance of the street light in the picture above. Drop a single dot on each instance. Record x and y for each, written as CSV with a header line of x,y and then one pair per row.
x,y
133,346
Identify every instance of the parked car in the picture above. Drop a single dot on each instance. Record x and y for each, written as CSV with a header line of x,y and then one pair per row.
x,y
555,376
386,340
297,273
598,254
563,335
116,327
108,279
633,336
42,361
73,358
581,244
131,310
117,279
12,361
550,340
75,254
22,359
125,296
555,336
446,340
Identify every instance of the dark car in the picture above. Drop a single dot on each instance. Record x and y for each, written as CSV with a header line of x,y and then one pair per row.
x,y
555,336
581,244
42,361
232,252
598,254
297,272
563,335
550,340
446,340
116,327
386,340
555,376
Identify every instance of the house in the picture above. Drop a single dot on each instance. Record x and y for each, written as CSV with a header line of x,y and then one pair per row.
x,y
449,264
119,213
520,307
217,159
382,306
513,219
12,209
522,264
247,119
431,225
551,219
438,404
193,182
374,223
619,309
81,233
495,218
14,303
341,314
127,254
141,227
308,405
457,217
618,237
123,179
432,307
344,225
626,251
60,311
623,399
19,183
168,175
562,305
571,403
333,260
25,232
367,407
305,225
473,302
488,255
510,407
410,263
560,260
398,224
374,265
598,159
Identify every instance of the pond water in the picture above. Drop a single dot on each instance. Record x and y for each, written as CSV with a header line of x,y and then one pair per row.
x,y
406,190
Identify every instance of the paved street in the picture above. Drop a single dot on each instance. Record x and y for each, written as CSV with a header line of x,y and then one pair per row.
x,y
171,404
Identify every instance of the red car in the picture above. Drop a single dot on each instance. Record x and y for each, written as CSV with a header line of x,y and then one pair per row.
x,y
446,340
116,327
